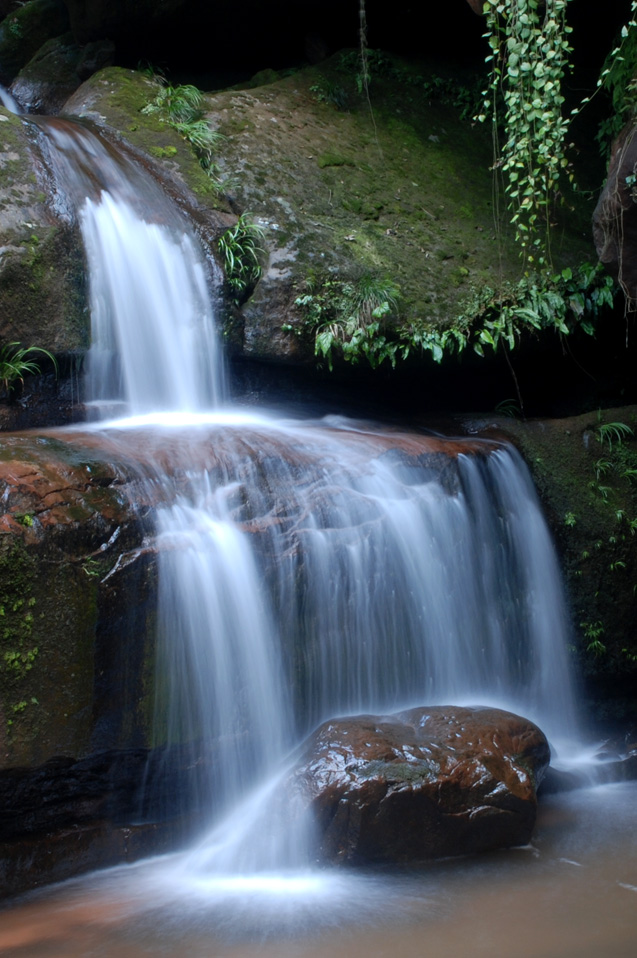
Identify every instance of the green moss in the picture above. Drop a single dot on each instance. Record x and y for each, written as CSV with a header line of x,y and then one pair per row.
x,y
163,152
334,159
596,533
18,654
408,772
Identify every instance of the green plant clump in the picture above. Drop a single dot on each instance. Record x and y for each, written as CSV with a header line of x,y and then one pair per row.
x,y
181,107
619,79
327,91
15,364
448,91
240,250
351,319
529,57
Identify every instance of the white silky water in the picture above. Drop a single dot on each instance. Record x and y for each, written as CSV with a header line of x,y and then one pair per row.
x,y
153,337
8,101
310,569
307,569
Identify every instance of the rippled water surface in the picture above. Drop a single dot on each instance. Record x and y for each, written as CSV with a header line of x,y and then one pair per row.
x,y
573,892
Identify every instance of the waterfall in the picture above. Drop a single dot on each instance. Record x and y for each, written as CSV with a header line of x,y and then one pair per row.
x,y
153,337
318,568
8,101
153,342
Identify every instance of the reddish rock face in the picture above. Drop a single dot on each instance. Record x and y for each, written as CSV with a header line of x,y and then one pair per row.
x,y
421,784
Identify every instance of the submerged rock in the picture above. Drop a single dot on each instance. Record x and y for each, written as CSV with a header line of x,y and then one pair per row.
x,y
421,784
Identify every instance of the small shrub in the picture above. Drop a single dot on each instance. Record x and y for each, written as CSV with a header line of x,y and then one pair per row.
x,y
15,364
181,107
240,250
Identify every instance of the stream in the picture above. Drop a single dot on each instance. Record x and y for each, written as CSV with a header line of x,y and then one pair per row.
x,y
572,893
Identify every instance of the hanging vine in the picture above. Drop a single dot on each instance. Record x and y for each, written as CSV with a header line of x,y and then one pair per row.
x,y
530,50
619,79
529,57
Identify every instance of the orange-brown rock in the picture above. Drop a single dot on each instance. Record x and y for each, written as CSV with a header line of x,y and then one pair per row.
x,y
422,784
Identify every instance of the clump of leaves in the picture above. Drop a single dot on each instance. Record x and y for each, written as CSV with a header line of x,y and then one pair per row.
x,y
529,57
613,432
328,91
448,91
564,302
593,632
181,107
16,362
618,80
509,408
349,318
366,64
240,250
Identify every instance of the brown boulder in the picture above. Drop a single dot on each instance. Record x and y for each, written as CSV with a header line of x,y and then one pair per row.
x,y
422,784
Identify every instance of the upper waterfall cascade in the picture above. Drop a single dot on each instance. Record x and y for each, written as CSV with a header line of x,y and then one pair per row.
x,y
153,338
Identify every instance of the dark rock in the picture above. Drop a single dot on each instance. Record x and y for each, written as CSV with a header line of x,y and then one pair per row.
x,y
56,71
421,784
42,292
50,77
6,6
95,56
25,30
95,19
615,216
37,860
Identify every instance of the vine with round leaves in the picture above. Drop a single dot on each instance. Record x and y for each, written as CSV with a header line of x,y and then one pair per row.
x,y
619,79
529,57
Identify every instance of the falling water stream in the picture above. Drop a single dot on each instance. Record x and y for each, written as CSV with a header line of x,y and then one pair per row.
x,y
318,568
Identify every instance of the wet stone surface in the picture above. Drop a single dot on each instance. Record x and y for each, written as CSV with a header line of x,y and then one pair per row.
x,y
421,784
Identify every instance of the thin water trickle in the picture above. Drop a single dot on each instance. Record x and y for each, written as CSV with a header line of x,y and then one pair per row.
x,y
9,102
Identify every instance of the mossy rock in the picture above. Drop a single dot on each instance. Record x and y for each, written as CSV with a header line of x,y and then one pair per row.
x,y
42,291
77,604
403,190
24,30
587,479
115,97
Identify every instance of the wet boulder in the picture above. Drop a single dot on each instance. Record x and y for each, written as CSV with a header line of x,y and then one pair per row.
x,y
56,71
421,784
